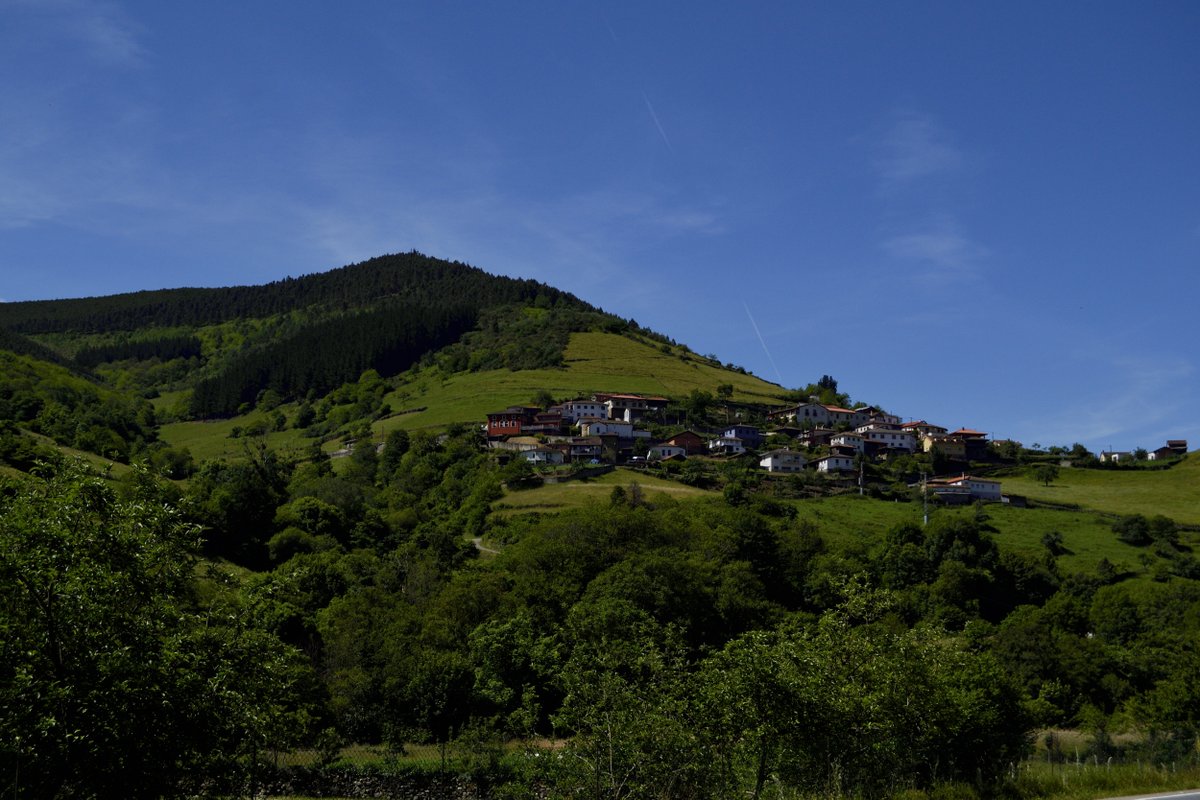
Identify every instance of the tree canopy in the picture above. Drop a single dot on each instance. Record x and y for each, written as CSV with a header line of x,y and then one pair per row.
x,y
113,681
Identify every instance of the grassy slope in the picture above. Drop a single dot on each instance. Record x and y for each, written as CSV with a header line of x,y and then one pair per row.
x,y
207,440
578,493
849,520
1174,492
1087,536
594,362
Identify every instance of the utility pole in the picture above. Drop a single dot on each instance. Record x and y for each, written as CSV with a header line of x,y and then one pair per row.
x,y
924,501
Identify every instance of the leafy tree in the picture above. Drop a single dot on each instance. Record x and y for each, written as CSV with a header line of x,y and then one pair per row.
x,y
236,502
305,415
1134,529
831,709
111,683
626,703
697,405
1080,455
1046,473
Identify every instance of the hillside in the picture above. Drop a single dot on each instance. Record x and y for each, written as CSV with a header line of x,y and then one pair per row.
x,y
418,585
450,341
432,398
301,336
592,362
1173,492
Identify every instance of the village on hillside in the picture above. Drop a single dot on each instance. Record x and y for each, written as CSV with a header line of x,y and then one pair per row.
x,y
605,429
614,429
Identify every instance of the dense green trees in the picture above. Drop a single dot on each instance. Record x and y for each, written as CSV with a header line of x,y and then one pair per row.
x,y
113,682
695,649
73,410
164,347
835,708
325,355
409,278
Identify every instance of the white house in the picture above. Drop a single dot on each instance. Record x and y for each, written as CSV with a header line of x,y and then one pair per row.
x,y
543,455
660,452
876,414
881,436
835,463
852,417
1116,455
848,439
811,412
783,461
630,407
923,428
576,410
606,427
975,488
727,445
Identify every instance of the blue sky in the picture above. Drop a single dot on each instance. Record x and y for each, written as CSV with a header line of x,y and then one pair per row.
x,y
984,215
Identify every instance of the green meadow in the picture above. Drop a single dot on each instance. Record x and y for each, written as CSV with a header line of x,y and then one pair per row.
x,y
593,362
571,494
1173,492
848,520
1087,537
427,399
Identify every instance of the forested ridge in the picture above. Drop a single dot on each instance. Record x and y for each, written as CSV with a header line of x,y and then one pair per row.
x,y
323,356
299,337
162,348
410,278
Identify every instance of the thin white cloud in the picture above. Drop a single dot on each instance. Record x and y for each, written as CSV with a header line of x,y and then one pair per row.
x,y
939,254
67,143
107,34
1136,395
657,124
916,146
101,30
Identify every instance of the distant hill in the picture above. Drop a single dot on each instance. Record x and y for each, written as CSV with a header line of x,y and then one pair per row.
x,y
300,336
466,341
409,278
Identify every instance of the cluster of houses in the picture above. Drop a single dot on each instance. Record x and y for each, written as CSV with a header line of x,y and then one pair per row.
x,y
603,429
1174,448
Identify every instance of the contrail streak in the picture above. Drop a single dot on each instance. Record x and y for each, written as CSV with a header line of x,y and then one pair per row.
x,y
763,342
657,124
